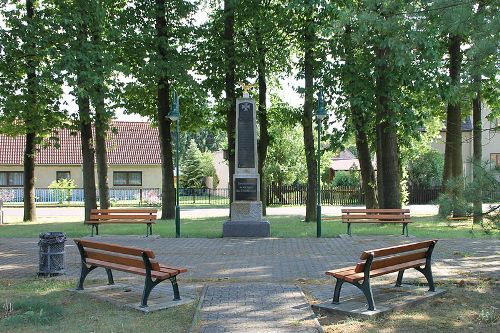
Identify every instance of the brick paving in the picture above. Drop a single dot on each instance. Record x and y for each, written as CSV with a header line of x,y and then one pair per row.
x,y
252,269
255,307
263,259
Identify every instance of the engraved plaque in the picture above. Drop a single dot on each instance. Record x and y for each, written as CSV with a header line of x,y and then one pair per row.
x,y
246,136
245,189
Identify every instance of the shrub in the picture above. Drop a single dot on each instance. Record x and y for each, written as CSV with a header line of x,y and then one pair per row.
x,y
426,170
346,178
63,189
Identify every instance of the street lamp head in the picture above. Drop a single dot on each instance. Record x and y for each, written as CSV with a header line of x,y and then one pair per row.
x,y
174,113
321,113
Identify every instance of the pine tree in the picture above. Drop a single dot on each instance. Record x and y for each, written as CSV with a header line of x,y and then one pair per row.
x,y
192,167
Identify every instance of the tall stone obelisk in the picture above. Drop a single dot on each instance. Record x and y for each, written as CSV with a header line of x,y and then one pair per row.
x,y
246,208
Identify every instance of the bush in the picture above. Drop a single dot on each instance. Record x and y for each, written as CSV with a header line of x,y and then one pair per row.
x,y
346,178
426,170
484,188
63,189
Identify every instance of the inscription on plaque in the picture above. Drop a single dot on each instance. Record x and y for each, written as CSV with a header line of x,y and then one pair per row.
x,y
245,189
246,153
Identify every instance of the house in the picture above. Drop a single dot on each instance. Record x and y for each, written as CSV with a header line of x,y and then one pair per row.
x,y
133,152
490,142
221,169
345,161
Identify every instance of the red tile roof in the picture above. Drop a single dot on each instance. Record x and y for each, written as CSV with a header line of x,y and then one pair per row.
x,y
134,143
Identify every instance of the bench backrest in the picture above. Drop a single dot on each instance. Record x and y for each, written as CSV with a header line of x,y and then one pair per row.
x,y
394,255
376,214
122,214
117,254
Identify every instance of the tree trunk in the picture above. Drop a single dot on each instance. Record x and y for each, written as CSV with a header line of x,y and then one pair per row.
x,y
264,133
477,151
230,81
101,125
453,169
30,147
309,39
89,189
387,140
368,180
29,178
167,169
378,153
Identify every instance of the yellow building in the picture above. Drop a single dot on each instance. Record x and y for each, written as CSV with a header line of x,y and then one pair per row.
x,y
133,150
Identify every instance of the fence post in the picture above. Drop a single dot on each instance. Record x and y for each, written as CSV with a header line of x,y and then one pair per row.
x,y
140,197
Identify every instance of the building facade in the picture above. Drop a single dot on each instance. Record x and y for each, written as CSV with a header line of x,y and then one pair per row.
x,y
133,152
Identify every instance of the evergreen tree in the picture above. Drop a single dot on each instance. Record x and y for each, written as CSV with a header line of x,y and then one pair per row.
x,y
192,167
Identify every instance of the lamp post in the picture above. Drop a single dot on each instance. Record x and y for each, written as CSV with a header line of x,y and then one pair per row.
x,y
174,115
320,115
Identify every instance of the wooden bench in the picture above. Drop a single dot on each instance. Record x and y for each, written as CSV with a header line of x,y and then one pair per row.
x,y
122,216
126,259
384,261
357,215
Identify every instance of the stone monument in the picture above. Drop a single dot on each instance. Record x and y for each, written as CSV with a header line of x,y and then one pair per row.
x,y
246,208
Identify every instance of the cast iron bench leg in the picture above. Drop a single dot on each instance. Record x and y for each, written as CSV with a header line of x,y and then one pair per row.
x,y
336,294
405,227
428,275
110,276
349,229
83,274
399,281
367,290
175,287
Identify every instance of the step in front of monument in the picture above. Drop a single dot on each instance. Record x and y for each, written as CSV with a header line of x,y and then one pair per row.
x,y
246,229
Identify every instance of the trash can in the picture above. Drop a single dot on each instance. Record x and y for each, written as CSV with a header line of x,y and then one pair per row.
x,y
51,253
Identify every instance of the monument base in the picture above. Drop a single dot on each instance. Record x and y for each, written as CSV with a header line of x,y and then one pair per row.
x,y
246,229
246,221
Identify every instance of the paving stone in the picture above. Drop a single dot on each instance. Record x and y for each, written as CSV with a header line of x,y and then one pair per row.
x,y
254,261
255,307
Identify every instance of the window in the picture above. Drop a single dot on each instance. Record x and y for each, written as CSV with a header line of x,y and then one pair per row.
x,y
11,178
127,178
63,175
495,160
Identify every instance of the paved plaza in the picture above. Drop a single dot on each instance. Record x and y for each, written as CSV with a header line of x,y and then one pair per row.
x,y
268,275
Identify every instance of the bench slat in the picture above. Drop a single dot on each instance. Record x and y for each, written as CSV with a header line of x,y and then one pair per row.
x,y
145,211
125,268
117,221
341,271
382,210
397,249
115,248
377,217
123,217
391,261
382,271
164,268
376,221
119,259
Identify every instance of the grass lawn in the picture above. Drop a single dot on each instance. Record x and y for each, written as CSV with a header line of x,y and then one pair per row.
x,y
281,226
466,306
45,305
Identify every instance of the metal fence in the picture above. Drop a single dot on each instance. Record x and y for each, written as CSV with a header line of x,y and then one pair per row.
x,y
276,195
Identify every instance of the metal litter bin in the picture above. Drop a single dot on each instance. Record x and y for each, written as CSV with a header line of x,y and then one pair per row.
x,y
51,253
